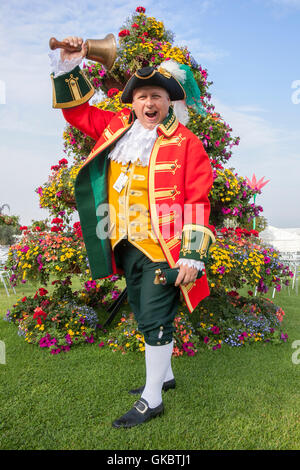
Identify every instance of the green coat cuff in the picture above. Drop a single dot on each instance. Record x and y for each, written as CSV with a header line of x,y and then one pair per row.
x,y
71,89
195,242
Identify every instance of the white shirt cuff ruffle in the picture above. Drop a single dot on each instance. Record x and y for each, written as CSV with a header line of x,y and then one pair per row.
x,y
192,263
59,67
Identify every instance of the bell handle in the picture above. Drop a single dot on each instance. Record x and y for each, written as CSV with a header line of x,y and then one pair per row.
x,y
55,44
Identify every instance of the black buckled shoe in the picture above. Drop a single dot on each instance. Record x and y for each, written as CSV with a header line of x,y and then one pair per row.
x,y
139,413
166,386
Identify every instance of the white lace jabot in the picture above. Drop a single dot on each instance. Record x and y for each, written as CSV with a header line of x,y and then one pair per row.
x,y
135,145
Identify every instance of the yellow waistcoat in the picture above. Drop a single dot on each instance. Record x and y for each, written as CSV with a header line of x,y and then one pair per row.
x,y
129,210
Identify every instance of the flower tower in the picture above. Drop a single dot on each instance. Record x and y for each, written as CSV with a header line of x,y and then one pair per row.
x,y
144,40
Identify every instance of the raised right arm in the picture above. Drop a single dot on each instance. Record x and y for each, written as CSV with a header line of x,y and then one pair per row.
x,y
72,91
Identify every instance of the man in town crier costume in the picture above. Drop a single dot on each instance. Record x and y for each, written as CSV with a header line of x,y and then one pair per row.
x,y
152,176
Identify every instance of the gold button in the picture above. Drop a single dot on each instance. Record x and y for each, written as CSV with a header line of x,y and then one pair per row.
x,y
161,328
158,342
172,166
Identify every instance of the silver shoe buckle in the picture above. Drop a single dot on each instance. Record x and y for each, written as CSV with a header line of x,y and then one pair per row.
x,y
140,403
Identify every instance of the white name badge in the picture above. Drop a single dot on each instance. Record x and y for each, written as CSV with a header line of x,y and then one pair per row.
x,y
120,183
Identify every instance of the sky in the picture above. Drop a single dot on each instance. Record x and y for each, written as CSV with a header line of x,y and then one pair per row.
x,y
250,49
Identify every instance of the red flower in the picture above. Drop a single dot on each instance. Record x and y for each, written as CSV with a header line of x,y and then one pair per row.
x,y
24,299
145,34
57,220
112,92
134,25
55,167
233,293
63,161
124,32
38,313
213,229
77,229
23,227
56,229
42,291
140,9
254,232
37,228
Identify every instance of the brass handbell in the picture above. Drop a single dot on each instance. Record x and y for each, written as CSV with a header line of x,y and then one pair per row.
x,y
103,50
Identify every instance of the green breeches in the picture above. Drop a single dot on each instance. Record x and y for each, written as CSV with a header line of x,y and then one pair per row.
x,y
154,305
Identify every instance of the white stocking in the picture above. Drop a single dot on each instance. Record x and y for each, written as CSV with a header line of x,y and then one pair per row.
x,y
158,361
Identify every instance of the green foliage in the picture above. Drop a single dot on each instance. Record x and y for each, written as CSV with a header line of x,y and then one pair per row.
x,y
7,234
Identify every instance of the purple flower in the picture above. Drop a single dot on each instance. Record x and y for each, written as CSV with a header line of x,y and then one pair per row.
x,y
69,339
284,337
90,339
221,270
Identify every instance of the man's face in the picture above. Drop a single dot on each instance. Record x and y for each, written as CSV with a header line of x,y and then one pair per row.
x,y
151,105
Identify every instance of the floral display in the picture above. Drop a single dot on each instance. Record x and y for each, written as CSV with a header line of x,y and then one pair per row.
x,y
57,194
61,319
106,291
54,321
239,258
54,248
185,340
230,197
126,337
40,253
235,320
9,220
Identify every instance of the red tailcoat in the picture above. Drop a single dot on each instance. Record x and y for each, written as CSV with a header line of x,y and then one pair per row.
x,y
179,175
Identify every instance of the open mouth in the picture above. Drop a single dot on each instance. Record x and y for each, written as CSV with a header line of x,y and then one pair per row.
x,y
151,115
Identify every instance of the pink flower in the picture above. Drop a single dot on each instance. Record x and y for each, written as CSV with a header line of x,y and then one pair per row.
x,y
215,330
256,185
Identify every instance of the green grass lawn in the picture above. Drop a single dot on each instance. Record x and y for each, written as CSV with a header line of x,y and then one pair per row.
x,y
232,398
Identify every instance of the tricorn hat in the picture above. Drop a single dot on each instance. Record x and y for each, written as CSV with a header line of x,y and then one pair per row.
x,y
150,76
